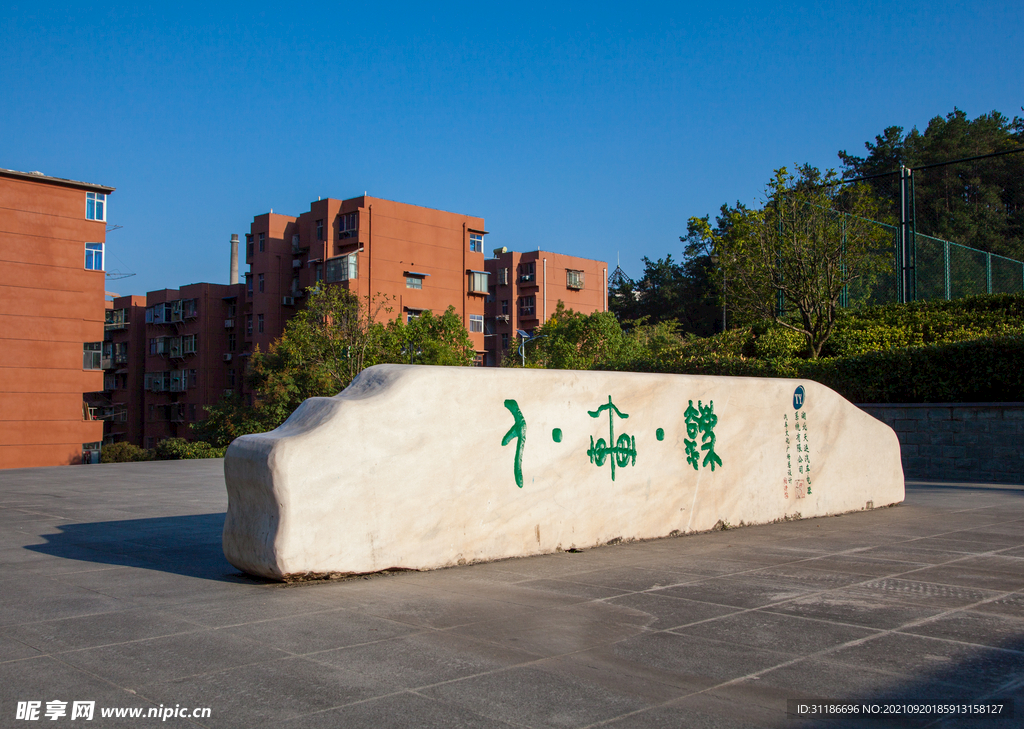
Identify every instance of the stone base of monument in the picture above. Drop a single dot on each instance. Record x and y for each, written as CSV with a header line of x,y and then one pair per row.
x,y
415,467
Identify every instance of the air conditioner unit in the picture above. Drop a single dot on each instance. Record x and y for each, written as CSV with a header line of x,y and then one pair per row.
x,y
288,300
502,317
227,357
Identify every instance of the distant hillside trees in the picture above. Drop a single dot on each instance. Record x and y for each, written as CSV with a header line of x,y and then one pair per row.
x,y
978,203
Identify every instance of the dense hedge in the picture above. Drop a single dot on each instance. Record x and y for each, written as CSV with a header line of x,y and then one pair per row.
x,y
981,370
967,350
169,449
174,449
124,452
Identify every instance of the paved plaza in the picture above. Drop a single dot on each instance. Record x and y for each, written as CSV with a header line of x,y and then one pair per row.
x,y
114,590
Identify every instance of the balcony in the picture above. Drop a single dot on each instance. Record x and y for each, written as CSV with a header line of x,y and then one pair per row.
x,y
528,280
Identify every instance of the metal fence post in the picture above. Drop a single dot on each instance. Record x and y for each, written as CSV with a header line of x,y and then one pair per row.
x,y
988,273
945,268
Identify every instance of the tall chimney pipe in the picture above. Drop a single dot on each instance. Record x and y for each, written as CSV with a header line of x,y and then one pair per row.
x,y
233,279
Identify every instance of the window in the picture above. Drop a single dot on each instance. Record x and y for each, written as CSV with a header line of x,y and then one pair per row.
x,y
158,345
319,272
504,306
189,308
232,342
248,245
121,353
248,285
95,206
248,325
319,230
491,290
476,243
188,344
348,223
476,323
92,356
478,359
503,277
232,308
192,378
527,304
93,256
231,378
478,282
259,323
413,282
574,279
192,412
504,341
342,268
259,277
263,242
526,271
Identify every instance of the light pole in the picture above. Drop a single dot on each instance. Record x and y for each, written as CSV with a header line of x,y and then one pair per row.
x,y
525,337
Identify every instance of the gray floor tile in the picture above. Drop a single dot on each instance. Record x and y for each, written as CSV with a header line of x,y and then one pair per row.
x,y
854,608
400,710
968,626
311,633
562,630
284,689
424,659
536,698
670,612
164,659
773,631
936,660
745,592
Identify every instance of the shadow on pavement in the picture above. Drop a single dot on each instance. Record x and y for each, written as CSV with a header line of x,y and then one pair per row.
x,y
185,545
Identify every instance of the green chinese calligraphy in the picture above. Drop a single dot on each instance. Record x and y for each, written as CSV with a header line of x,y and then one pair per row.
x,y
701,420
517,431
622,451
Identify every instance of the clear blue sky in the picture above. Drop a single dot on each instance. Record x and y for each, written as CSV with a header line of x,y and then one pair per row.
x,y
590,129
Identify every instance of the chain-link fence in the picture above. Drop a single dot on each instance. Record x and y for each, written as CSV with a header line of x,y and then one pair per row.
x,y
939,269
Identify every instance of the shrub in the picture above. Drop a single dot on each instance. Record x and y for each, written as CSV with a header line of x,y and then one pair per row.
x,y
124,452
174,449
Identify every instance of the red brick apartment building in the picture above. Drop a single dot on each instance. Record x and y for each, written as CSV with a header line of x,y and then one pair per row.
x,y
52,236
191,357
526,289
421,259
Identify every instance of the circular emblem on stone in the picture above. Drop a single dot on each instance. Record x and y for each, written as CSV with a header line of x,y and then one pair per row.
x,y
798,397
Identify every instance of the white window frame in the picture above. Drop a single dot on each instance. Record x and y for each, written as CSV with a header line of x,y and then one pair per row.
x,y
413,282
94,256
476,323
96,206
476,243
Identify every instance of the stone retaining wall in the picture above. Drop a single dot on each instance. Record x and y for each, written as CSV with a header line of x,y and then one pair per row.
x,y
981,442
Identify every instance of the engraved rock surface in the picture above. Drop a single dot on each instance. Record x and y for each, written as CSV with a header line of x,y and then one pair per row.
x,y
420,467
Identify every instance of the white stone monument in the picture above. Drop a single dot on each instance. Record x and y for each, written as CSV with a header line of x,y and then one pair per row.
x,y
421,467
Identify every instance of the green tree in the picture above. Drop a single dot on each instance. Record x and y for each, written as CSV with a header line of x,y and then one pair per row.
x,y
792,260
669,291
322,349
569,340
